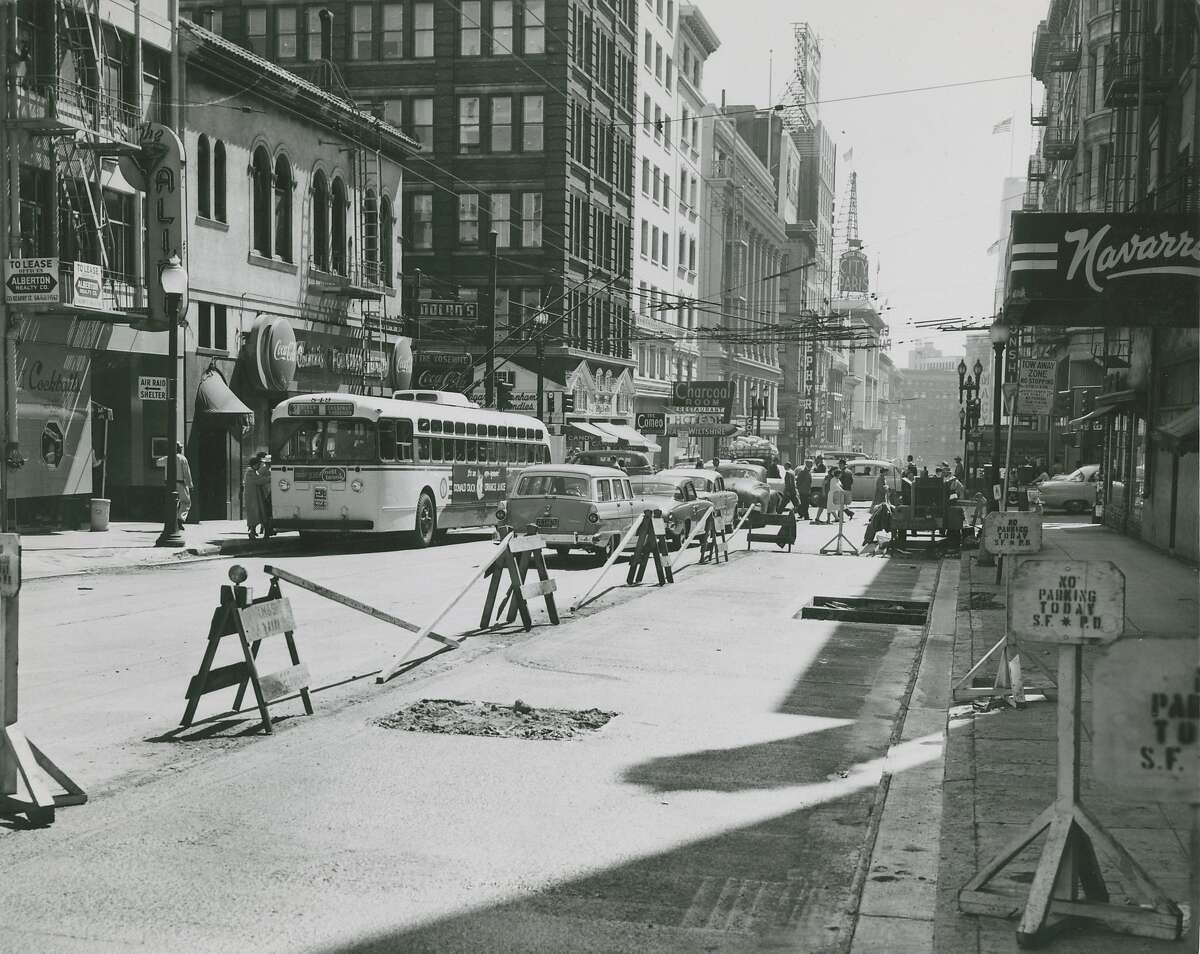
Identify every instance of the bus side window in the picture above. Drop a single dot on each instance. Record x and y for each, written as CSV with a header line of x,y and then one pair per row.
x,y
387,439
423,448
404,438
545,454
431,453
460,451
472,452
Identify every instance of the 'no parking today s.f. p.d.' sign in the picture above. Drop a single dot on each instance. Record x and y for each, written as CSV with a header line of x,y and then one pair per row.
x,y
1066,602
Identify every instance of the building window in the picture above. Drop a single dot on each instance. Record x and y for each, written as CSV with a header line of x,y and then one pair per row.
x,y
362,32
658,62
531,304
203,178
658,122
468,28
468,124
320,223
370,236
421,126
646,113
531,121
670,73
501,206
212,330
256,30
422,29
387,241
286,33
468,218
261,173
502,27
337,226
312,29
283,209
645,238
118,237
531,220
535,26
391,45
501,124
645,176
666,200
648,50
422,221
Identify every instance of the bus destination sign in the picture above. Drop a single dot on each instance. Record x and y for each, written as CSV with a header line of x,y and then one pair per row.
x,y
322,409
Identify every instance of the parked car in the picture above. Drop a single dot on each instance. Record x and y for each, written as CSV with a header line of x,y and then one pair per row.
x,y
631,461
675,497
1074,492
710,486
866,472
749,482
573,507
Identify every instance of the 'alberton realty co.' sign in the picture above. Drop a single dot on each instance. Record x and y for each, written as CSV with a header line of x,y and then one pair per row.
x,y
1093,268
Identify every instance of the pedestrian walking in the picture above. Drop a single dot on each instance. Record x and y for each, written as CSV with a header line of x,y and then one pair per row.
x,y
881,488
254,494
846,479
804,486
789,488
910,468
959,471
268,515
823,500
183,483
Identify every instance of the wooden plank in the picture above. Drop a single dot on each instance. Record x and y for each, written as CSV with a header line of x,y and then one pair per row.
x,y
353,604
1041,891
276,685
219,678
270,618
538,588
1128,919
27,768
525,544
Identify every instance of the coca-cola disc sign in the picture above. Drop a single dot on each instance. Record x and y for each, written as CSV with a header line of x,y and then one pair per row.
x,y
271,345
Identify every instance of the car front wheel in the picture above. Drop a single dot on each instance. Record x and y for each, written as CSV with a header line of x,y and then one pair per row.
x,y
1076,506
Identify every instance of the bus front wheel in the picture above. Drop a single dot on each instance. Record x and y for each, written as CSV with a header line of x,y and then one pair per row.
x,y
426,522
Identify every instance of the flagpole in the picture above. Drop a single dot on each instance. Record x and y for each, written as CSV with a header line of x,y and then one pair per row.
x,y
1011,137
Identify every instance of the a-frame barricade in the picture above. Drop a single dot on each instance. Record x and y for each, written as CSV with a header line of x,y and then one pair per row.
x,y
651,546
515,557
785,536
713,543
252,621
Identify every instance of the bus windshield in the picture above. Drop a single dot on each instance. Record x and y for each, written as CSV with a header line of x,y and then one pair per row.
x,y
313,441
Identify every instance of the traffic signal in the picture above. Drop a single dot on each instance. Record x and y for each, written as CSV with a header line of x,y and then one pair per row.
x,y
568,402
504,391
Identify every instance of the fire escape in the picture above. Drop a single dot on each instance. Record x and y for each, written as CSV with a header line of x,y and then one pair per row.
x,y
71,121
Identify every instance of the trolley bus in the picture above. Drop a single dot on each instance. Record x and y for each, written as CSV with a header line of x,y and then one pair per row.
x,y
420,462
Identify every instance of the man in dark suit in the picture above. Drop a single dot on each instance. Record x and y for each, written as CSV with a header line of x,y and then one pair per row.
x,y
789,488
804,487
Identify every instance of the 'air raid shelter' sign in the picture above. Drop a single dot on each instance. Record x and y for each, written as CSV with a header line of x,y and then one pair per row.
x,y
1059,601
1013,531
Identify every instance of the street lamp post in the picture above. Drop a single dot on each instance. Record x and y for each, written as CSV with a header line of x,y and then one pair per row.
x,y
758,407
969,409
174,280
999,333
541,320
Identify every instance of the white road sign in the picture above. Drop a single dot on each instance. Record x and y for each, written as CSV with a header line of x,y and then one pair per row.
x,y
1036,379
152,388
10,564
87,285
1146,718
1013,531
1059,601
29,281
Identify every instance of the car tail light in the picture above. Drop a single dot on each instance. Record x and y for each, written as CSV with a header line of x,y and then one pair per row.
x,y
593,515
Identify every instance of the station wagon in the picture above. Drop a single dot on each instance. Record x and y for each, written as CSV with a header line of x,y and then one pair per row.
x,y
572,506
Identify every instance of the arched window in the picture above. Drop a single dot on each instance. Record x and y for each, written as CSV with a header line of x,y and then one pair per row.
x,y
337,227
387,242
203,178
260,171
371,238
218,178
283,209
320,222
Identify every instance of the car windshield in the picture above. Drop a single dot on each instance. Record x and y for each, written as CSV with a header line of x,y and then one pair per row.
x,y
1079,474
552,485
743,473
666,488
310,442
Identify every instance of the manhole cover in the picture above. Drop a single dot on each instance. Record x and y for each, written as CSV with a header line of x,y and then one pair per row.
x,y
864,609
985,601
518,721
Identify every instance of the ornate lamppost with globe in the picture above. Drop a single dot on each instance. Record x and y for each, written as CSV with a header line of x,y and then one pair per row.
x,y
969,410
174,282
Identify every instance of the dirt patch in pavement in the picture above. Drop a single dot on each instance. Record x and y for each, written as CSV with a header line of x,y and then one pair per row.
x,y
518,721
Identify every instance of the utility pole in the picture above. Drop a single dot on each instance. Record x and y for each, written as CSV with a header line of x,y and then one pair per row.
x,y
489,368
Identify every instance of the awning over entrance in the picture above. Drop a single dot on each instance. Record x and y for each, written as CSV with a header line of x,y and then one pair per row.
x,y
213,396
626,434
1093,415
592,431
1180,433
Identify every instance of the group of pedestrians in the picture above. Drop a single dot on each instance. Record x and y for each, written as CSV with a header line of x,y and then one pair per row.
x,y
798,483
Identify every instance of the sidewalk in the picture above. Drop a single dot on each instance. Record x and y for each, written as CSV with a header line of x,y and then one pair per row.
x,y
127,544
1000,765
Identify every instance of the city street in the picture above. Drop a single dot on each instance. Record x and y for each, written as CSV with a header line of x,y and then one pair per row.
x,y
728,804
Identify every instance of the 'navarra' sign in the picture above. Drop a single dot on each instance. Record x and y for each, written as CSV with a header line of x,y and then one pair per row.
x,y
1066,602
1013,531
1146,719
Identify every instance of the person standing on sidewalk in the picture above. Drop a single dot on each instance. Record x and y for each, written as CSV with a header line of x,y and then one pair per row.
x,y
183,483
254,491
846,479
881,488
804,486
823,501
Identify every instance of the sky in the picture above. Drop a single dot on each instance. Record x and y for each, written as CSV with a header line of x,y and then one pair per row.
x,y
930,169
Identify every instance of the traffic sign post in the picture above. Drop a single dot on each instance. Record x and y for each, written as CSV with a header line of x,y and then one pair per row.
x,y
1070,604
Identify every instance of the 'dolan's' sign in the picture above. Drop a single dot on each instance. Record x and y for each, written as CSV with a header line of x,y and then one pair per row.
x,y
271,346
1103,269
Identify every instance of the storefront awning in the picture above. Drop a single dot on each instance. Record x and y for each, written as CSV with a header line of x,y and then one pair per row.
x,y
1118,400
1180,433
1093,415
627,435
213,396
592,431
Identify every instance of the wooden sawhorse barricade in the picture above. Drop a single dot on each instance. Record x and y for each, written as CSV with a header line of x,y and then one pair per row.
x,y
252,621
784,536
651,546
516,557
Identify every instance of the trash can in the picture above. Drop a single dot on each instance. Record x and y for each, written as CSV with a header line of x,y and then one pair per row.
x,y
100,507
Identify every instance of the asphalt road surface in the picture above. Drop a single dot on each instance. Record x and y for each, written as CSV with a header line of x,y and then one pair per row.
x,y
726,806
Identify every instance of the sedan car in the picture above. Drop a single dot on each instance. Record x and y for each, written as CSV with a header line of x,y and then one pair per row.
x,y
630,461
1074,492
710,486
573,507
866,473
749,482
675,497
